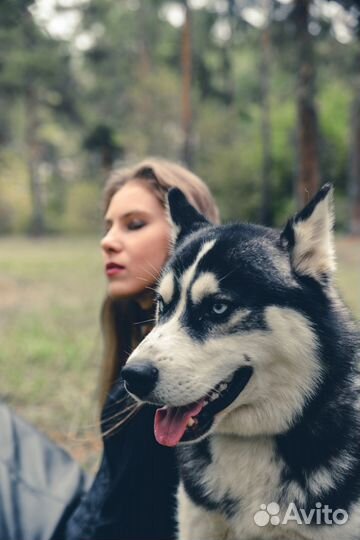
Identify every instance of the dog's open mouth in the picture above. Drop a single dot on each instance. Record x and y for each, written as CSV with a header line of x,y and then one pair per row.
x,y
189,422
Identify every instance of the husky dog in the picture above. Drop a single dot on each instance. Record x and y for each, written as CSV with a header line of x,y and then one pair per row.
x,y
254,365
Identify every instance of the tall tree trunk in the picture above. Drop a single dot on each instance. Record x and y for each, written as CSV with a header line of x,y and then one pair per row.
x,y
142,72
59,186
33,151
266,214
144,39
227,69
354,181
227,57
308,179
186,64
33,147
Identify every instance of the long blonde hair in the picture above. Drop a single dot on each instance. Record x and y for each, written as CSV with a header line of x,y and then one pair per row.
x,y
123,322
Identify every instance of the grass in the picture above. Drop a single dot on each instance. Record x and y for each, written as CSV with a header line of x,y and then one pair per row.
x,y
348,275
50,297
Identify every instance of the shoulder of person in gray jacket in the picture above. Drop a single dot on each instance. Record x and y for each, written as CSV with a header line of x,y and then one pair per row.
x,y
40,484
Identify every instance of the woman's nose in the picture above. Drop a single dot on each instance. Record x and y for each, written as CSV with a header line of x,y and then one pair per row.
x,y
111,242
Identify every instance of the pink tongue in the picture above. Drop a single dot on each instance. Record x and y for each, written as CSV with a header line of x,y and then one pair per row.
x,y
170,423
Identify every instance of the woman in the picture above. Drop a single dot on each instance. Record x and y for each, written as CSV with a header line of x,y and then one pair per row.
x,y
135,201
133,495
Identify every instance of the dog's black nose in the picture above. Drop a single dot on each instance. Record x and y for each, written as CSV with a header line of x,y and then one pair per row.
x,y
140,379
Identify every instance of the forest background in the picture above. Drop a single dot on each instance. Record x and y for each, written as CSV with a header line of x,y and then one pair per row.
x,y
260,98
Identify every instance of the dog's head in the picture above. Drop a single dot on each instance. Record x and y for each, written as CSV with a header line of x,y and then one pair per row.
x,y
234,349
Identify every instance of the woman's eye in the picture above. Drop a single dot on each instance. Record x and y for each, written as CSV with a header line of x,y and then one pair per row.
x,y
219,308
134,225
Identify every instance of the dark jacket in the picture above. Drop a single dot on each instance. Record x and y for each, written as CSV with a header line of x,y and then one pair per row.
x,y
40,484
133,494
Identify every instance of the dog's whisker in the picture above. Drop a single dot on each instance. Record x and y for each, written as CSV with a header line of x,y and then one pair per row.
x,y
121,413
140,278
154,268
152,271
106,419
116,403
153,289
226,275
113,429
143,322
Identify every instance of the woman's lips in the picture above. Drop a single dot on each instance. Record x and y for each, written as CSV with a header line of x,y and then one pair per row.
x,y
112,269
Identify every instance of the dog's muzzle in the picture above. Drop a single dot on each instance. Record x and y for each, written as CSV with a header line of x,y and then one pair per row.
x,y
140,378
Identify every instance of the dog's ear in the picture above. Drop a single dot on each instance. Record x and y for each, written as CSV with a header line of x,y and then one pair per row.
x,y
309,237
184,217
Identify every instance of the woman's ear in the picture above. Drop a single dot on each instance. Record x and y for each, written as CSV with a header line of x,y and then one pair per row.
x,y
309,237
185,219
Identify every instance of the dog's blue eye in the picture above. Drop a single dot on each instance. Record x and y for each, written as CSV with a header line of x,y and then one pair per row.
x,y
219,308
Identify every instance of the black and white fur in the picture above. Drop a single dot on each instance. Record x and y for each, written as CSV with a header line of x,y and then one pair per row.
x,y
244,298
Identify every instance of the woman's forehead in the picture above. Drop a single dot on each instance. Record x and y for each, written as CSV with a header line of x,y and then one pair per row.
x,y
134,197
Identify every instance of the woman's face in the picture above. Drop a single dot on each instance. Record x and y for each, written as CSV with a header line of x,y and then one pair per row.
x,y
136,244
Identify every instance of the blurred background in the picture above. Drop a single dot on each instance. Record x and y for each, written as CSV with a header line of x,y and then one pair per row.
x,y
259,98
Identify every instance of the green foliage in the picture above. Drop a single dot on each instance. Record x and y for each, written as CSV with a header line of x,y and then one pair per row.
x,y
83,212
155,113
226,164
15,206
51,293
335,110
115,91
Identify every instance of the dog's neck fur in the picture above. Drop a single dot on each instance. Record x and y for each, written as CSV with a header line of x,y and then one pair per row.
x,y
326,437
